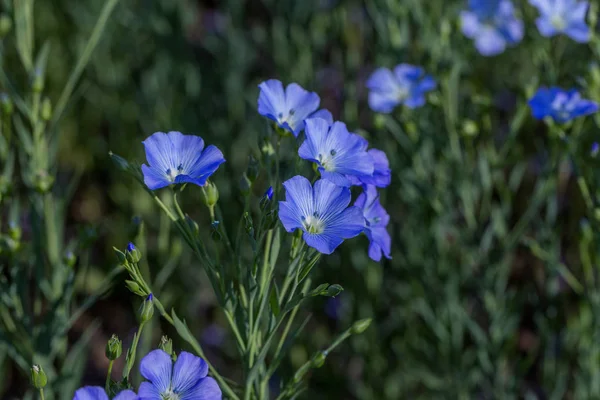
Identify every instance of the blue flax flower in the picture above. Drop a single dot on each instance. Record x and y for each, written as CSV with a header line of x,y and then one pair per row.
x,y
98,393
561,105
562,16
407,85
377,220
337,152
321,212
492,24
382,174
177,158
290,107
187,380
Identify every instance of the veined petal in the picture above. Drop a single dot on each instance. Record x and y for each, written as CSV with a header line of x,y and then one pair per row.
x,y
147,391
374,251
206,389
157,367
335,177
90,393
323,242
299,192
330,199
381,237
300,103
316,132
187,150
126,395
188,371
160,151
154,178
347,224
206,164
323,114
290,216
271,100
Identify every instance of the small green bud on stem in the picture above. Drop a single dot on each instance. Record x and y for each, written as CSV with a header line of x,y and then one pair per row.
x,y
114,348
38,377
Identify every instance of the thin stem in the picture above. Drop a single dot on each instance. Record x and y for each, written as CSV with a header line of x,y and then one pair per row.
x,y
108,375
136,340
41,394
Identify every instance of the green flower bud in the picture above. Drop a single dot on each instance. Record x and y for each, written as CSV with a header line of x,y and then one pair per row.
x,y
7,104
14,231
319,359
193,225
253,168
334,290
114,348
147,309
166,345
135,288
69,259
42,181
211,194
360,326
470,128
37,81
132,253
5,25
248,224
38,377
46,109
120,256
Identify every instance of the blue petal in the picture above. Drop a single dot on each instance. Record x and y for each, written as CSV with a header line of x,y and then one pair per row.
x,y
302,102
545,27
157,367
415,101
126,395
427,84
541,102
290,217
579,32
513,30
206,164
147,391
351,157
187,150
408,74
335,177
323,114
383,102
374,251
544,6
347,224
382,175
316,132
382,80
160,152
271,100
469,23
206,389
490,42
330,199
382,239
188,370
322,242
154,178
299,196
90,393
585,107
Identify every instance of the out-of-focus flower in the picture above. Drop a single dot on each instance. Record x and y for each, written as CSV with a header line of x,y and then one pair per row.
x,y
377,220
98,393
406,84
562,16
290,107
321,212
337,152
492,24
187,379
595,149
562,105
177,158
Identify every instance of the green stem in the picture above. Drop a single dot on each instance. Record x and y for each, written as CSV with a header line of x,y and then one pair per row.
x,y
41,394
108,375
130,363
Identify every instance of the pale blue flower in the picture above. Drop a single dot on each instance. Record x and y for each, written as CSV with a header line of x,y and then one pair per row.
x,y
321,212
492,24
98,393
377,220
563,16
290,107
407,85
177,158
186,380
382,174
559,104
338,153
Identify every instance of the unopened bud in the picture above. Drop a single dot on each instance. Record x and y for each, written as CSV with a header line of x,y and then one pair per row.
x,y
248,224
360,326
193,225
7,104
334,290
14,231
46,109
38,377
69,259
267,198
135,288
211,194
319,359
133,254
114,348
147,309
37,81
166,345
120,256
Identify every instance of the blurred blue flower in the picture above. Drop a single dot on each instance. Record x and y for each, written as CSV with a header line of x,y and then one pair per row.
x,y
98,393
333,307
382,174
291,107
130,247
213,335
322,213
269,193
377,220
177,158
561,105
337,152
562,16
186,380
407,85
595,149
492,24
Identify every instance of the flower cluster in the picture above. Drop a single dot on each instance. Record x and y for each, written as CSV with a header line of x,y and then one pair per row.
x,y
343,159
187,379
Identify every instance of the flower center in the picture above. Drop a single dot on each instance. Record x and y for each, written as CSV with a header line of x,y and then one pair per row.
x,y
313,224
169,395
327,161
172,173
558,22
402,92
282,119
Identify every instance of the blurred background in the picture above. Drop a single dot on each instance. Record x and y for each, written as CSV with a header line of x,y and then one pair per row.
x,y
492,291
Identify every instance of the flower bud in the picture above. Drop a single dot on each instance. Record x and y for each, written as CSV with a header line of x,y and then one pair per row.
x,y
69,259
38,377
7,104
166,345
193,225
267,198
211,194
248,224
360,326
37,81
14,231
319,359
135,288
470,128
5,25
214,233
133,254
46,109
42,181
595,149
120,256
334,290
147,309
114,348
253,168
